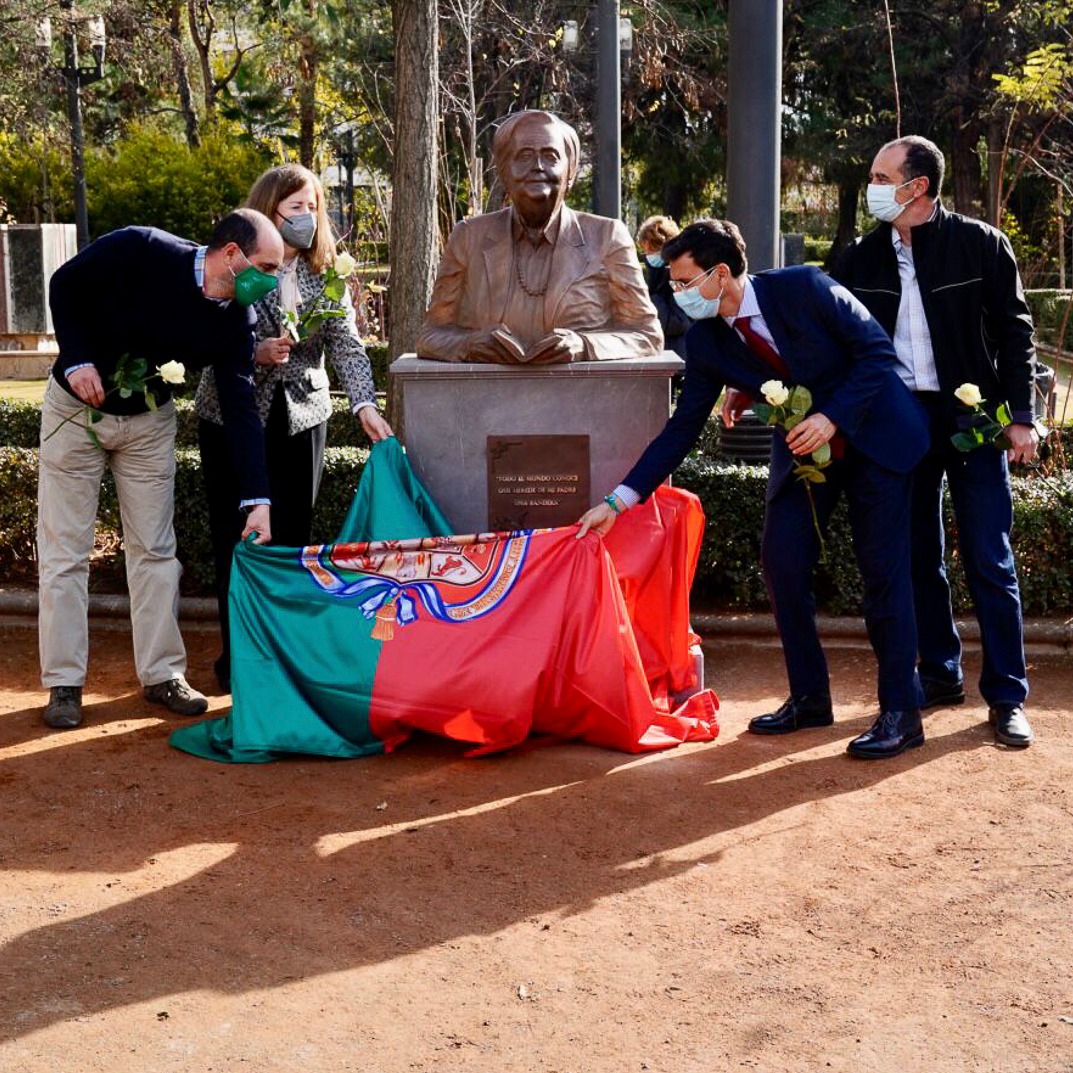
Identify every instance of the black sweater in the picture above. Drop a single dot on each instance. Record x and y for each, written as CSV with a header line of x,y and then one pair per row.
x,y
133,292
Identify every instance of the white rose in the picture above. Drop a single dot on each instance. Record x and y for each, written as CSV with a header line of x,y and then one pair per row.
x,y
172,372
775,392
344,265
969,394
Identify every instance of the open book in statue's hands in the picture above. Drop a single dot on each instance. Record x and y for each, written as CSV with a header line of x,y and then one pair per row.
x,y
510,343
559,346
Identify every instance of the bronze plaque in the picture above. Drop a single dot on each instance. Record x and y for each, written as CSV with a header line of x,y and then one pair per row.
x,y
536,482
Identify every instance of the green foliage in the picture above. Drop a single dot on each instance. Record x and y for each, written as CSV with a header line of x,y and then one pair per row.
x,y
18,512
23,163
1050,308
20,423
151,179
817,250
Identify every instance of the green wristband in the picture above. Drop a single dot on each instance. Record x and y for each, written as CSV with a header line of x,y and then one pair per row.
x,y
612,502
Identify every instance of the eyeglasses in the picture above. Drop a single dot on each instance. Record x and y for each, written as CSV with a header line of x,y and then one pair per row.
x,y
678,285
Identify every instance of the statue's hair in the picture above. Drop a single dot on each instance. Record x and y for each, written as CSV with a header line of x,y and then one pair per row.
x,y
504,135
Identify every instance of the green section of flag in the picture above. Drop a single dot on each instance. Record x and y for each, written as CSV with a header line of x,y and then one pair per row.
x,y
303,663
391,503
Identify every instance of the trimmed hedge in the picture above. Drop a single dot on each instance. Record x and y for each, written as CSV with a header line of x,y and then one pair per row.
x,y
20,424
1048,312
729,570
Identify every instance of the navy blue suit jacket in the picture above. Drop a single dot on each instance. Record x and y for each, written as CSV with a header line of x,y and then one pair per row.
x,y
830,343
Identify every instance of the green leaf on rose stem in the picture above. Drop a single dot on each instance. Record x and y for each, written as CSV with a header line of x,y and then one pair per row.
x,y
94,437
762,411
793,421
964,441
334,289
1003,415
95,416
800,400
126,392
150,401
822,455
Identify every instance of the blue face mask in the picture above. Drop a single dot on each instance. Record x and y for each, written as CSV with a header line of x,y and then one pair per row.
x,y
655,260
696,306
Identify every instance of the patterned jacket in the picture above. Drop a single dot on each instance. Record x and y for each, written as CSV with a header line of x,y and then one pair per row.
x,y
304,378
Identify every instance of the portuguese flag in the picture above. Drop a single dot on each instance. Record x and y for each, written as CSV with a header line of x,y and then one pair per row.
x,y
343,649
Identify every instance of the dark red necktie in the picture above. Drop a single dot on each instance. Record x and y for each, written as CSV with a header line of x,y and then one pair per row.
x,y
771,357
761,347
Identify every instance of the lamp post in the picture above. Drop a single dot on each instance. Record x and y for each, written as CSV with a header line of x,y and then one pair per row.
x,y
754,107
614,40
75,78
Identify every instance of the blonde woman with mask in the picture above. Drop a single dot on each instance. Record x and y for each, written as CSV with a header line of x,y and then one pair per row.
x,y
291,382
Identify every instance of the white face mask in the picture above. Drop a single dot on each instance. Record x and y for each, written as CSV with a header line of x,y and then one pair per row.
x,y
882,203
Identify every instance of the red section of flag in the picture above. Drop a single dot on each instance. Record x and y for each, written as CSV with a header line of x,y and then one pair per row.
x,y
655,547
543,642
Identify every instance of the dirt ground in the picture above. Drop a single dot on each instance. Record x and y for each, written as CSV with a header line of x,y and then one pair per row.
x,y
755,903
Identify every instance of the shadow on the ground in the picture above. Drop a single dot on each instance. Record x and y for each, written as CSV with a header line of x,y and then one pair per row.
x,y
305,868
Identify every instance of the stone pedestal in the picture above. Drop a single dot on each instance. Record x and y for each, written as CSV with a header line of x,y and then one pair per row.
x,y
447,412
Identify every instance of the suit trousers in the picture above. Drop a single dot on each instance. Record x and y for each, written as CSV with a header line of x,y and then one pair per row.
x,y
140,451
295,464
879,513
979,484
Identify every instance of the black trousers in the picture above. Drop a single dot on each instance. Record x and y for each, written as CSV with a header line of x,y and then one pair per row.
x,y
295,464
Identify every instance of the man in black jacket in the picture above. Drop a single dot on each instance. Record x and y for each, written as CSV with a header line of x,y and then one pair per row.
x,y
947,290
140,295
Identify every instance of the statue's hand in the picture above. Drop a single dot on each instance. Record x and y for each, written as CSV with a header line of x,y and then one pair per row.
x,y
561,346
486,345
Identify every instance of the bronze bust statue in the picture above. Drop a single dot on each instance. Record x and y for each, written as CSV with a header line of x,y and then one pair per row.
x,y
537,282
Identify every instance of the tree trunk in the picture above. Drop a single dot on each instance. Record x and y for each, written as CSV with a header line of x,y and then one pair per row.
x,y
968,175
849,192
970,79
182,73
307,100
413,242
202,23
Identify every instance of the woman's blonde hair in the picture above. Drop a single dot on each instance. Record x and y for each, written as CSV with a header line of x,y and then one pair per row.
x,y
656,232
279,183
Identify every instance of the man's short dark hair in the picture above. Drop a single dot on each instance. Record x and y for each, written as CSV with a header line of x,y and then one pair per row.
x,y
922,158
709,243
240,227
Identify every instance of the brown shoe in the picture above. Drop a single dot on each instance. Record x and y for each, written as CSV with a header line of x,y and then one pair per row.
x,y
64,709
178,696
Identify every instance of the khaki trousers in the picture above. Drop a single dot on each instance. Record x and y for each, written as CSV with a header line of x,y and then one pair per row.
x,y
140,451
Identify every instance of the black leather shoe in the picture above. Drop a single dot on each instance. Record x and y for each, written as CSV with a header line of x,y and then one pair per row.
x,y
64,709
939,694
892,733
796,713
1011,726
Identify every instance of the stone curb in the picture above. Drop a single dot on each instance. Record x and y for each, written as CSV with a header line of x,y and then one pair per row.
x,y
18,606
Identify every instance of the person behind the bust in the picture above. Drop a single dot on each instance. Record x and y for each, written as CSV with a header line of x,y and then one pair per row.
x,y
536,281
653,234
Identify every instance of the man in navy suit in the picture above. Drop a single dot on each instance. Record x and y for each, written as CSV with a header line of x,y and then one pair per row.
x,y
798,326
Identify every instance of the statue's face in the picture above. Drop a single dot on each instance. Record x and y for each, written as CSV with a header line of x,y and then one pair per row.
x,y
537,170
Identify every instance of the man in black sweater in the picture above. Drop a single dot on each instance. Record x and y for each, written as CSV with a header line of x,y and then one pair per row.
x,y
140,295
